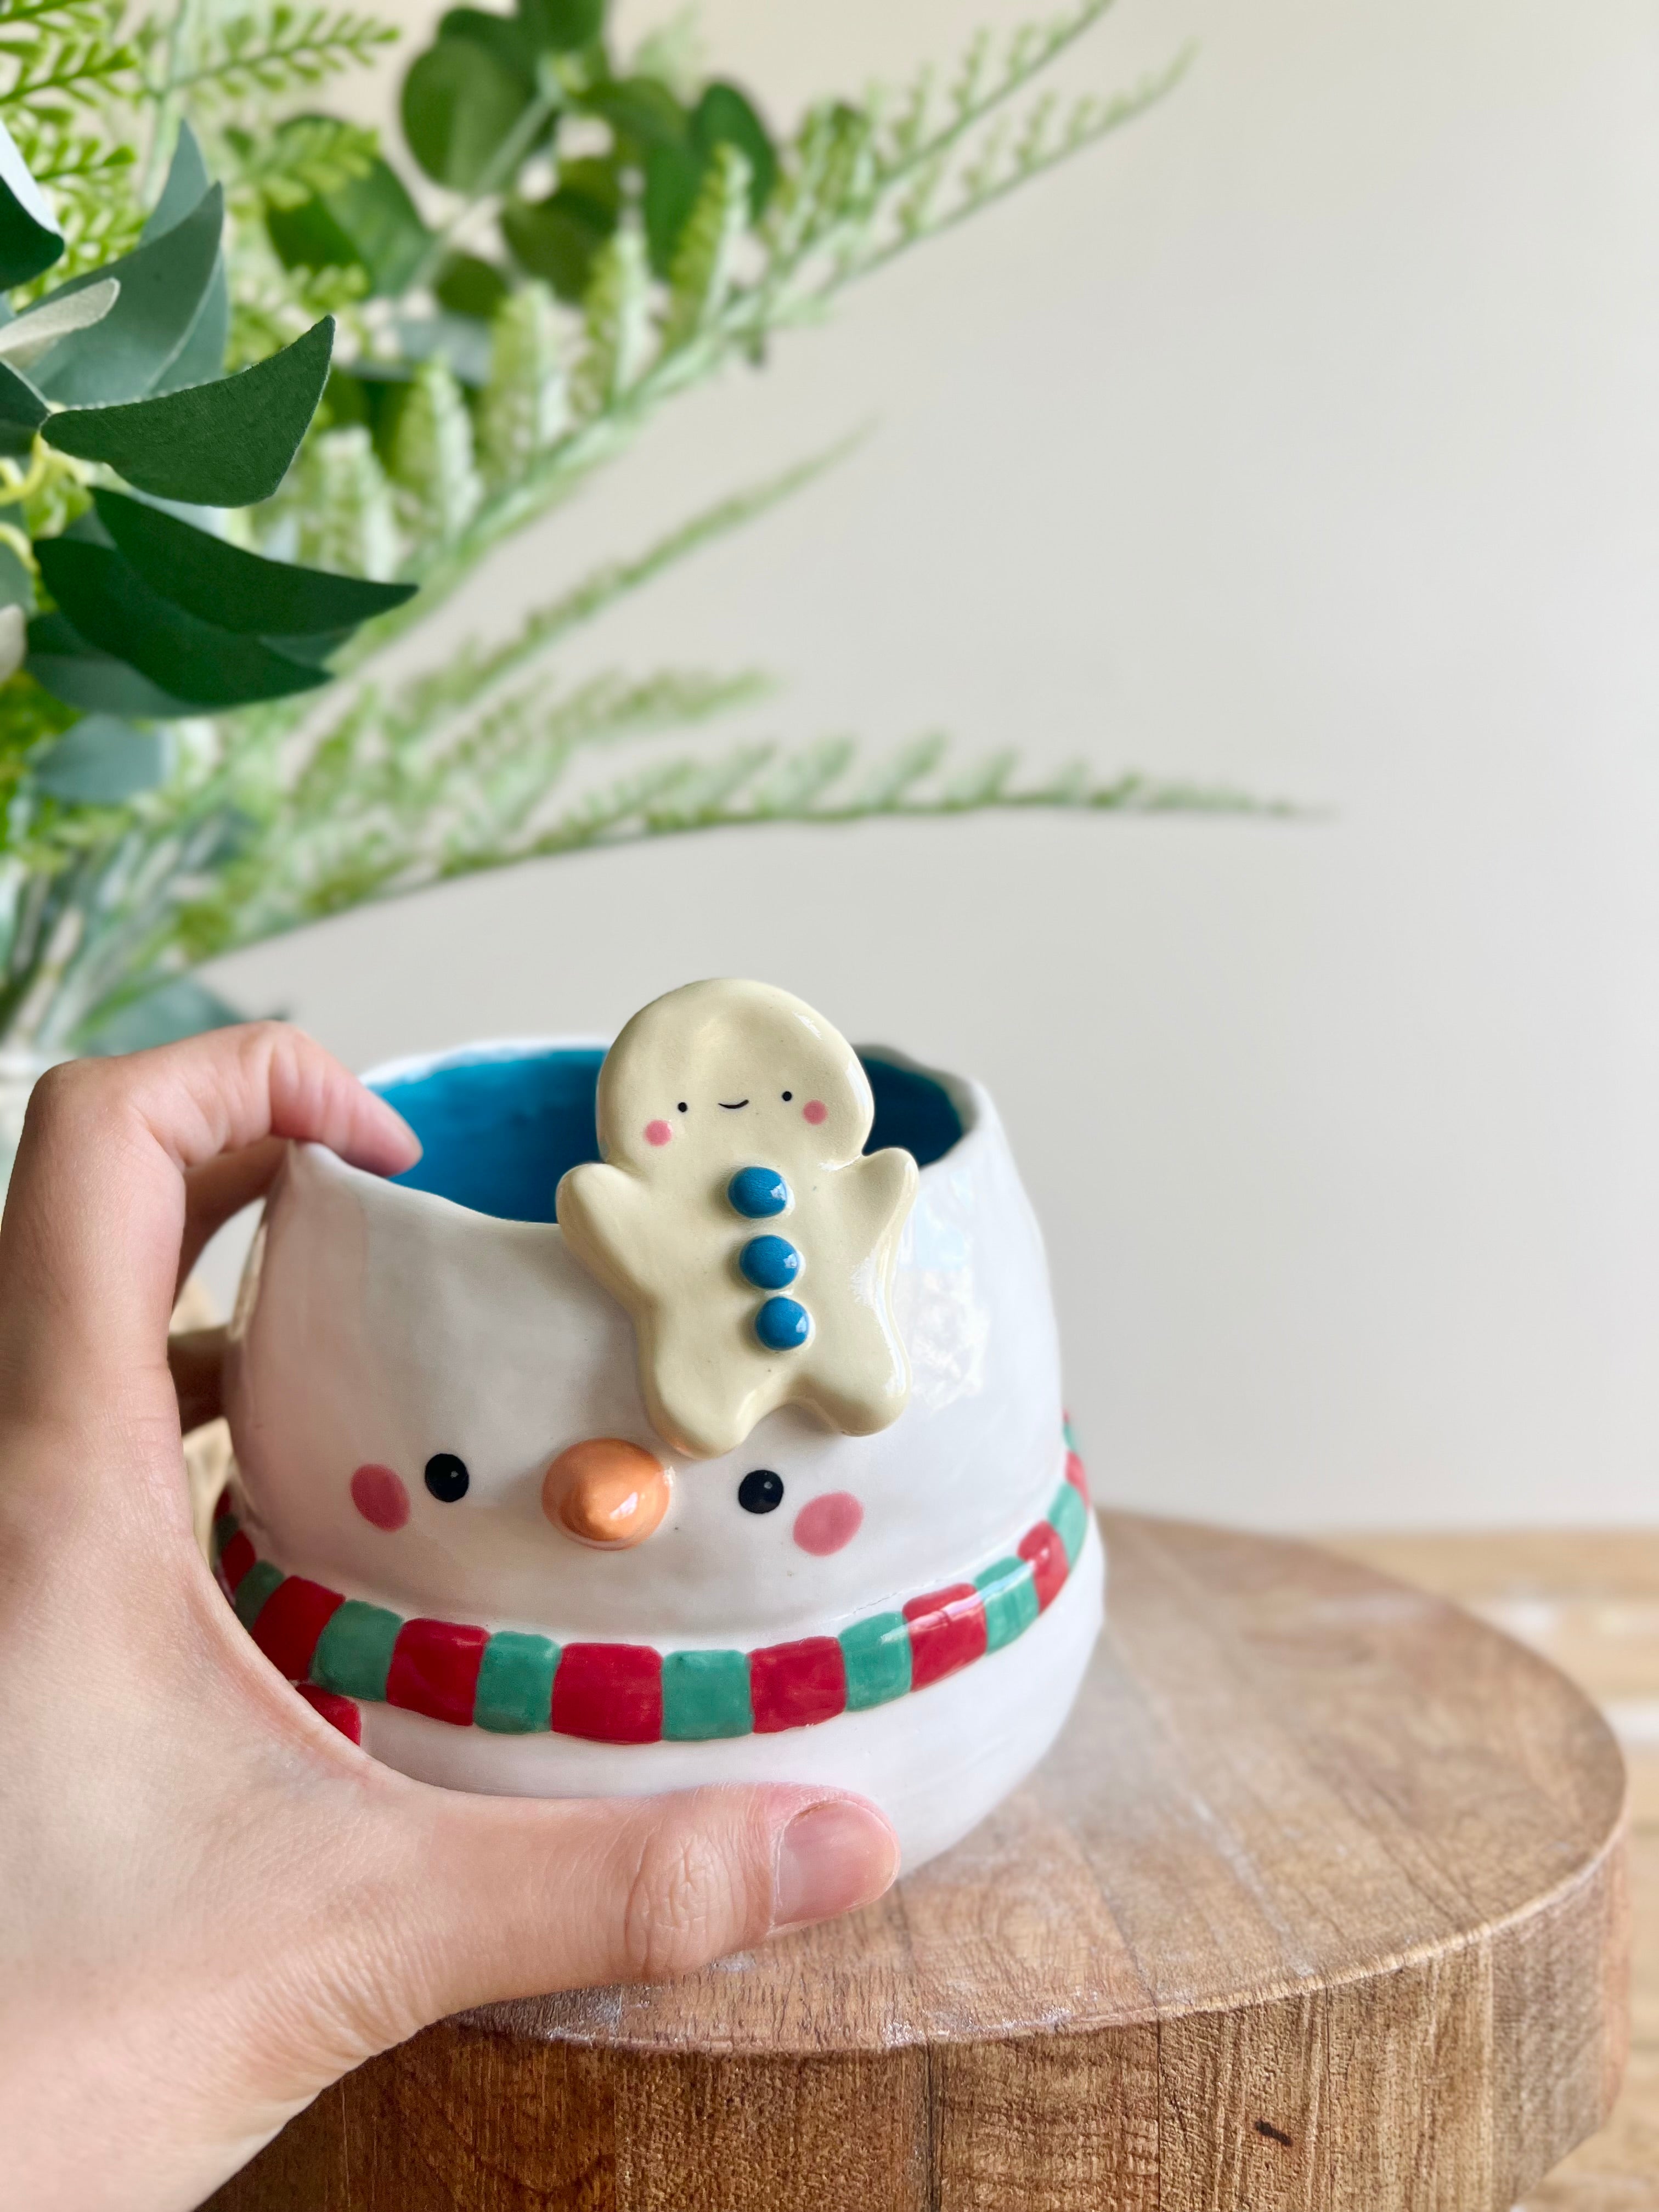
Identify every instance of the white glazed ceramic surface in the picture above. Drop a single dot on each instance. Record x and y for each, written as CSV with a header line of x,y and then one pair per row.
x,y
379,1325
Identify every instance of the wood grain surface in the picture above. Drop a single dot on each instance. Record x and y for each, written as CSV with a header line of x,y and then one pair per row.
x,y
1318,1904
1589,1600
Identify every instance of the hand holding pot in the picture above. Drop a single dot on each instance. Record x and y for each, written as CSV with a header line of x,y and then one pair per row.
x,y
211,1904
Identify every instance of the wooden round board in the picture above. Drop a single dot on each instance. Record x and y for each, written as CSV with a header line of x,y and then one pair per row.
x,y
1318,1904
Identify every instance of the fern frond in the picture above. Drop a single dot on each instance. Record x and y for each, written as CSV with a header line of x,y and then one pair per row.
x,y
468,674
375,811
753,787
313,155
432,456
346,521
700,281
617,313
65,56
270,306
271,51
526,407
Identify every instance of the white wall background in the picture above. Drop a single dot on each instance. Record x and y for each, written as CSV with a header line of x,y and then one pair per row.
x,y
1306,437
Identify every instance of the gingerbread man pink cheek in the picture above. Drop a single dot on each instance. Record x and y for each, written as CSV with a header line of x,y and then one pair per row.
x,y
744,1464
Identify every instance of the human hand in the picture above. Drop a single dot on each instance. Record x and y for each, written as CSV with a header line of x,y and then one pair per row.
x,y
211,1904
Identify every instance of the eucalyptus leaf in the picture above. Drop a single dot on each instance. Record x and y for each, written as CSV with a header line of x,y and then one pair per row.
x,y
369,222
594,181
314,648
465,285
22,411
674,173
180,1007
200,358
162,283
101,761
236,591
503,38
64,663
24,339
556,239
30,240
673,179
640,109
17,584
112,606
562,27
725,117
459,104
13,642
187,180
228,444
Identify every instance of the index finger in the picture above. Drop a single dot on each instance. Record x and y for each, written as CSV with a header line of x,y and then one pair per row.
x,y
95,1219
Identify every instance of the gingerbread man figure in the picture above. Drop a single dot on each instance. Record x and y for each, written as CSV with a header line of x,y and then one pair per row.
x,y
737,1217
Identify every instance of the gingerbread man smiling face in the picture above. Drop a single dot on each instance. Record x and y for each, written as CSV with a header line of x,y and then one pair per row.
x,y
737,1217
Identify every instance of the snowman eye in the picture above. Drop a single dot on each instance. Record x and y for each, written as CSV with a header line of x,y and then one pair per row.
x,y
760,1491
682,1108
447,1477
788,1096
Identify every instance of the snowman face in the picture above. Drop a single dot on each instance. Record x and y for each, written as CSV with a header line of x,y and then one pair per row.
x,y
409,1375
718,1075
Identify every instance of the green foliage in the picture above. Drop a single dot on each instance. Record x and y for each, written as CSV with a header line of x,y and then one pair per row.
x,y
565,240
63,66
524,407
225,444
432,455
213,61
221,583
346,521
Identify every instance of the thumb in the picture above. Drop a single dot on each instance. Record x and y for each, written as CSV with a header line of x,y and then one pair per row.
x,y
480,1899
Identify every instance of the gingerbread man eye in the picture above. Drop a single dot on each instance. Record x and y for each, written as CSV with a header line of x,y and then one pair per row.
x,y
760,1491
447,1477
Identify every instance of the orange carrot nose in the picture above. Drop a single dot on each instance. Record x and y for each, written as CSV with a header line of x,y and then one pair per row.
x,y
606,1491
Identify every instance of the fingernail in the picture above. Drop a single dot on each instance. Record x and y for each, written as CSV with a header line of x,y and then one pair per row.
x,y
393,1122
831,1857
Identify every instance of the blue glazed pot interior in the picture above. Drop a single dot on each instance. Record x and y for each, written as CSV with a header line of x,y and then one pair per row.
x,y
499,1129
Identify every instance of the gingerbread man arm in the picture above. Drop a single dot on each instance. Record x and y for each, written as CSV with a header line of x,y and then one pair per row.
x,y
606,1215
881,1187
855,1371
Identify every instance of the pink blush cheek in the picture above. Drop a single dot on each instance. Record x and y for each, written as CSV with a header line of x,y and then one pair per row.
x,y
657,1133
826,1523
815,1111
379,1495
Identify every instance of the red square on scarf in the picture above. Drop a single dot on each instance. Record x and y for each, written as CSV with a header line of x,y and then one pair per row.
x,y
343,1713
792,1684
434,1669
291,1619
1043,1547
609,1693
947,1630
235,1559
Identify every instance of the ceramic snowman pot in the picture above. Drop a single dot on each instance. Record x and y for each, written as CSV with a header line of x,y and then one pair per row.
x,y
719,1442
